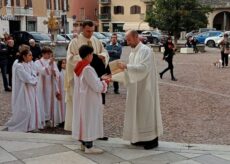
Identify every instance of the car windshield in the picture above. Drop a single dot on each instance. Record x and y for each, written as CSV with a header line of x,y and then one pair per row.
x,y
40,36
99,35
60,38
70,36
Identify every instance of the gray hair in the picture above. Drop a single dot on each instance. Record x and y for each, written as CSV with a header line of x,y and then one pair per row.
x,y
31,41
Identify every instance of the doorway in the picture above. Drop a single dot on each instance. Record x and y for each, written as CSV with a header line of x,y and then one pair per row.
x,y
14,26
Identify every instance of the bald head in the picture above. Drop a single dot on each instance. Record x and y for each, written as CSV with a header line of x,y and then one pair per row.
x,y
132,38
32,42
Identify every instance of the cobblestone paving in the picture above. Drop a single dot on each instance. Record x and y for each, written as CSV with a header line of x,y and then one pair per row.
x,y
195,109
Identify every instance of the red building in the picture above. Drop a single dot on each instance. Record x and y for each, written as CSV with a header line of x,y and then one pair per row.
x,y
84,9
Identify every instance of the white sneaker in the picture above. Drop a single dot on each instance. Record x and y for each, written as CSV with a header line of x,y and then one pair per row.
x,y
93,150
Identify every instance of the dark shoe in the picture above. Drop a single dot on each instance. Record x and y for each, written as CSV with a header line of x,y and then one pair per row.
x,y
161,75
117,92
174,79
103,139
8,90
61,125
151,144
138,143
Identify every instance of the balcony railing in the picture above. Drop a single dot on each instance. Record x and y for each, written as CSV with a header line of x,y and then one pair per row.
x,y
105,2
57,13
21,11
105,17
147,1
8,10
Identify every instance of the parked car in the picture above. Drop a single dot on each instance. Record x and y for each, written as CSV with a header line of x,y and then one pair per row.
x,y
191,34
120,38
206,29
61,39
67,36
202,36
212,41
102,38
221,38
23,37
154,36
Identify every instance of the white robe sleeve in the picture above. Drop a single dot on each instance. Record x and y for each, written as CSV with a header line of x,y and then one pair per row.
x,y
104,53
25,76
42,69
93,81
137,72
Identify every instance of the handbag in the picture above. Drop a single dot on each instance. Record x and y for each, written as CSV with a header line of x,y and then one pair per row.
x,y
227,51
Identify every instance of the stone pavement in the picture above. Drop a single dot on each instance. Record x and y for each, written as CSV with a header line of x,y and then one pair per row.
x,y
32,148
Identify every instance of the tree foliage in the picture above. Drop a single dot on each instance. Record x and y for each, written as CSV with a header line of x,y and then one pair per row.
x,y
175,16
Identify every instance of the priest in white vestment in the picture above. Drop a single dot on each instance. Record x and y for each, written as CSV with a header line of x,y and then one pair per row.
x,y
84,38
25,107
143,122
87,107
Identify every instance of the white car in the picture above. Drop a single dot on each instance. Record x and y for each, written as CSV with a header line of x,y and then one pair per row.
x,y
212,41
220,39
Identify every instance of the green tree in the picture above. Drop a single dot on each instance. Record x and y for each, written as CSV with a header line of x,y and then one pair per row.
x,y
175,16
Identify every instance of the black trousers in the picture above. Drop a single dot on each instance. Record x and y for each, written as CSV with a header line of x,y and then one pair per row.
x,y
170,67
224,58
116,86
3,66
87,144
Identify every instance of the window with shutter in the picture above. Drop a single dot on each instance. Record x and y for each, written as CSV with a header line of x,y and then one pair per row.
x,y
17,2
118,10
135,9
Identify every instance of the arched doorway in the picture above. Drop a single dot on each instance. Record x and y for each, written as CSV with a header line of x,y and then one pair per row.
x,y
222,21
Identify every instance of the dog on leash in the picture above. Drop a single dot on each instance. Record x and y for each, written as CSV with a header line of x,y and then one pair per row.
x,y
218,63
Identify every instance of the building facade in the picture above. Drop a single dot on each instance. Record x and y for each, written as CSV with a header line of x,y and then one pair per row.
x,y
30,15
84,9
120,15
220,17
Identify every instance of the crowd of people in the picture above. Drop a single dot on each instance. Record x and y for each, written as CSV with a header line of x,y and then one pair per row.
x,y
71,92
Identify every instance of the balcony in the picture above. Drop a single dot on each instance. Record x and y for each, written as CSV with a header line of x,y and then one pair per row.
x,y
105,2
57,13
21,11
105,17
8,10
147,1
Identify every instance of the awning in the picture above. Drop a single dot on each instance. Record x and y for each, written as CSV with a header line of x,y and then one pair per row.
x,y
136,26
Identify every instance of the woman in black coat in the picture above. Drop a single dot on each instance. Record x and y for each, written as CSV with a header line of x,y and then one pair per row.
x,y
168,57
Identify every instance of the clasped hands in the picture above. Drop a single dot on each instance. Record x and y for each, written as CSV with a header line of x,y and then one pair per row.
x,y
122,65
107,78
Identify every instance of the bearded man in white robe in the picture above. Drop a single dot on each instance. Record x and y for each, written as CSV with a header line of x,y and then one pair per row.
x,y
84,38
143,123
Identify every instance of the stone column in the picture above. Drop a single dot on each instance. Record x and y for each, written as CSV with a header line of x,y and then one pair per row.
x,y
225,21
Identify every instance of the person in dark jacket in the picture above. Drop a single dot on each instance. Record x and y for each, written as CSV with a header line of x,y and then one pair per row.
x,y
12,51
4,63
168,57
114,49
35,49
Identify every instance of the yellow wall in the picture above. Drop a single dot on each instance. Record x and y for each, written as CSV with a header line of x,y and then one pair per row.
x,y
127,17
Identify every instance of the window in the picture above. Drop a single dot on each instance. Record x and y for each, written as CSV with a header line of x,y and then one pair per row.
x,y
17,2
12,2
135,9
82,13
29,3
118,10
55,5
48,4
96,12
